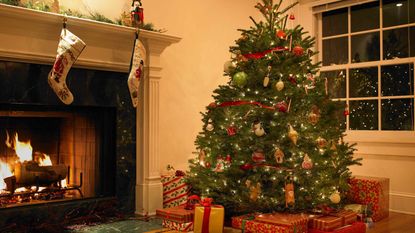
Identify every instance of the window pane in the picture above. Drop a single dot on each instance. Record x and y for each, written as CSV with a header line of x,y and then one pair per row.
x,y
395,43
335,22
411,11
363,115
336,83
365,47
395,12
397,80
398,114
335,51
363,82
365,16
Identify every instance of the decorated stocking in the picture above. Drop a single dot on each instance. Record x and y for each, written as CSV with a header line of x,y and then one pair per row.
x,y
69,49
137,71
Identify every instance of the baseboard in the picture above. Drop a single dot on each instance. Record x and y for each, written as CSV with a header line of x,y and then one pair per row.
x,y
402,203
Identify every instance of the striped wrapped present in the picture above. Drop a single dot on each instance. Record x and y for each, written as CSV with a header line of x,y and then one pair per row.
x,y
175,191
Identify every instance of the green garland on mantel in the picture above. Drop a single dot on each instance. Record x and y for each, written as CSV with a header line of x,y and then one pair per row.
x,y
40,6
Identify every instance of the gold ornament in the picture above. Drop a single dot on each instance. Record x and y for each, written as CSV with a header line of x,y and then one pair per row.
x,y
255,191
314,115
209,126
321,142
292,134
266,81
259,131
202,157
279,155
335,197
279,85
307,163
229,66
289,192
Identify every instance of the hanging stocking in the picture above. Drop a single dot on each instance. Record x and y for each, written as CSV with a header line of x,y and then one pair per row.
x,y
137,71
69,49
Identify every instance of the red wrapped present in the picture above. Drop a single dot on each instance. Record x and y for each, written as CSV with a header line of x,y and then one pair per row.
x,y
333,220
240,221
177,214
178,226
372,191
291,223
175,191
357,227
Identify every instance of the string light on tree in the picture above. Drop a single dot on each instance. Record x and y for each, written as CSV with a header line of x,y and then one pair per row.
x,y
278,138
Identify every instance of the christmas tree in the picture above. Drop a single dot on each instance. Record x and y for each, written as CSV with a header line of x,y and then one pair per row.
x,y
272,138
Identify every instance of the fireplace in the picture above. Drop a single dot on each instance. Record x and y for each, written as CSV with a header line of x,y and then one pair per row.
x,y
125,151
52,155
76,158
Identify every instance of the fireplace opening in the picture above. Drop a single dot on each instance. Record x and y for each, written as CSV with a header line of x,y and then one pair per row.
x,y
51,155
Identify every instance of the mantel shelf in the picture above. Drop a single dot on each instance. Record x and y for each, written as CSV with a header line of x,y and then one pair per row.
x,y
32,36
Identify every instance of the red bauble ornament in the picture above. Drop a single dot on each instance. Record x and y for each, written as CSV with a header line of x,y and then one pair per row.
x,y
346,111
212,105
282,106
207,165
298,50
292,17
231,131
281,34
258,156
246,167
228,159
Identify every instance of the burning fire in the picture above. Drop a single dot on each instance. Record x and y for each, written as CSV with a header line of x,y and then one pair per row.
x,y
24,152
5,172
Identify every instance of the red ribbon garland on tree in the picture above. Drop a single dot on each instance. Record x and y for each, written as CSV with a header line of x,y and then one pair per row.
x,y
259,55
280,106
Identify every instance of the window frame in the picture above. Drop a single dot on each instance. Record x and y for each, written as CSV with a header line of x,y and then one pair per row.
x,y
379,135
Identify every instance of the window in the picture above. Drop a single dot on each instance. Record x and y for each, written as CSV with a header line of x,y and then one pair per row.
x,y
368,55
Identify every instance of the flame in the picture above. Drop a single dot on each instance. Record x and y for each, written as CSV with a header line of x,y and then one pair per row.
x,y
5,172
44,160
23,149
64,184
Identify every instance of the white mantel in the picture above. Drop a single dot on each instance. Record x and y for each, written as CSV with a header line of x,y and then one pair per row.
x,y
32,36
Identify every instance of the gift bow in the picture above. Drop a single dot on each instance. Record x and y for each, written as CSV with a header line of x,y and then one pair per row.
x,y
206,203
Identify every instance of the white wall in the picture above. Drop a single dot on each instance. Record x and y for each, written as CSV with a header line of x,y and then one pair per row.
x,y
193,68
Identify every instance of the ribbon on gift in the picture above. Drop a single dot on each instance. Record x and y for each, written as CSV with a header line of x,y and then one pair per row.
x,y
248,218
191,202
206,203
259,55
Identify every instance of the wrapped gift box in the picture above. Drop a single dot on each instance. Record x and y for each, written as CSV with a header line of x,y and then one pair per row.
x,y
357,227
333,221
295,223
175,191
178,226
372,191
210,218
240,221
176,214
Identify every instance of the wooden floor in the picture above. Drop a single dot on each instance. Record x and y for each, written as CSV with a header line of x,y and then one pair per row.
x,y
396,223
